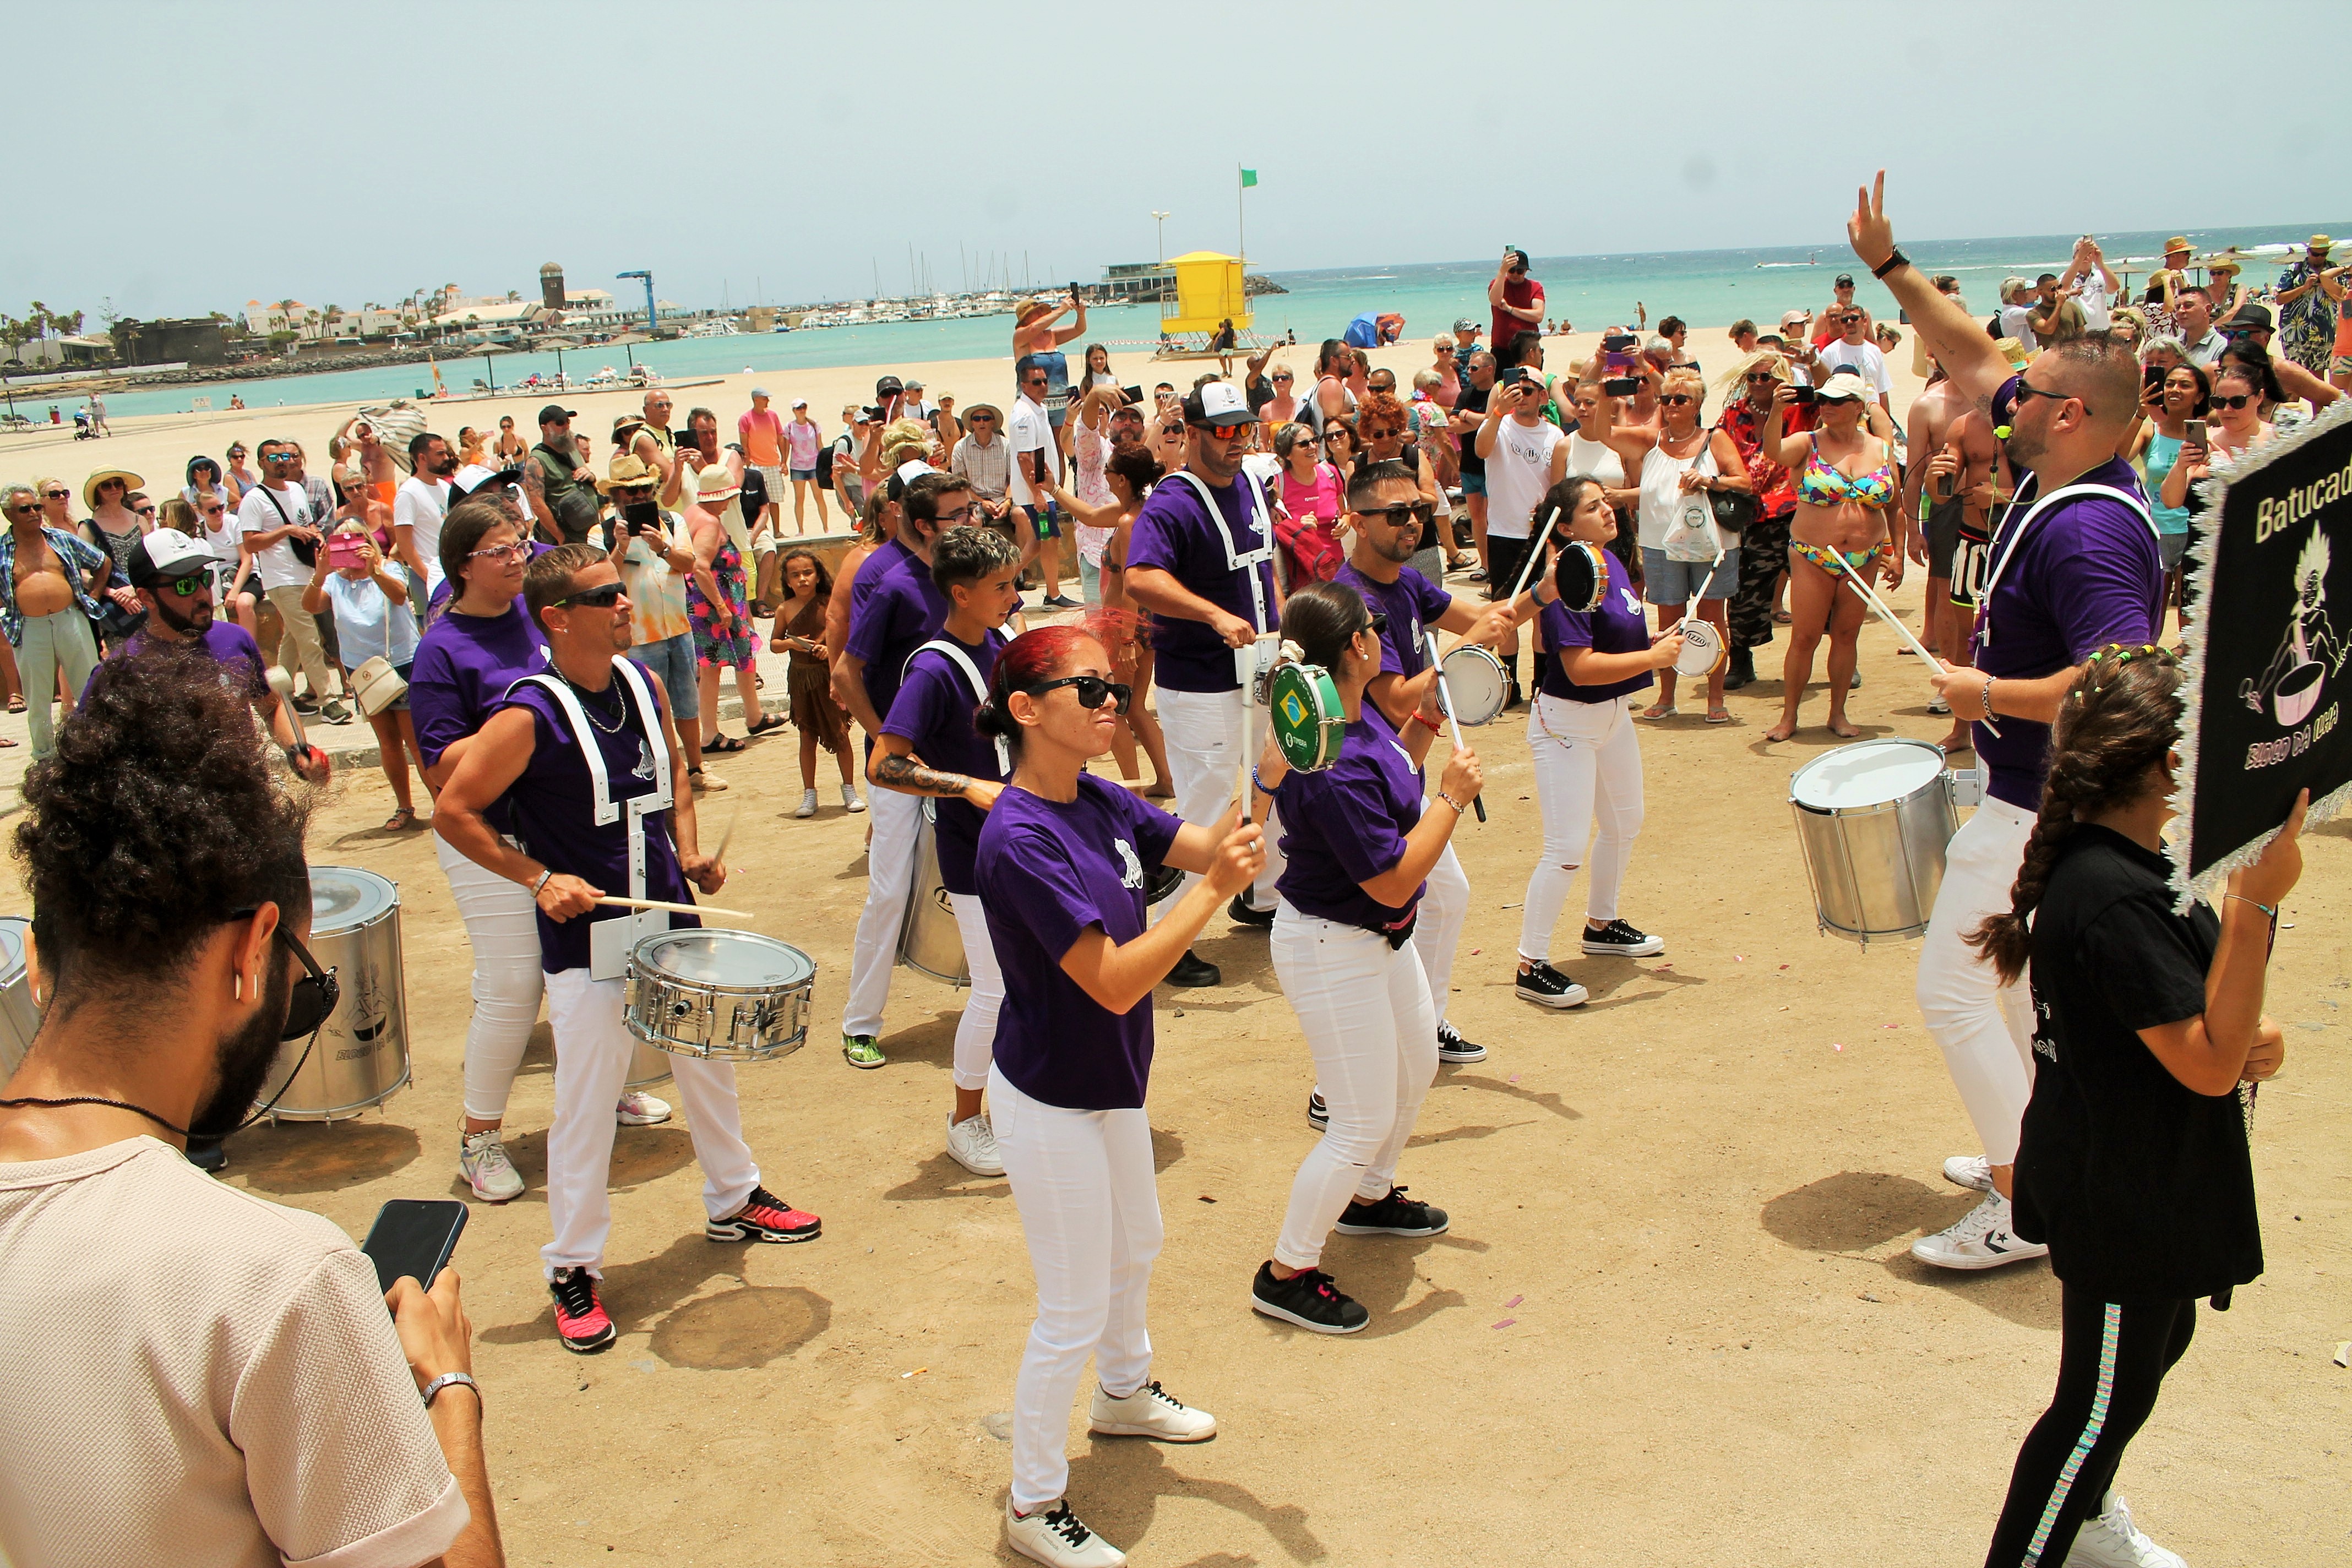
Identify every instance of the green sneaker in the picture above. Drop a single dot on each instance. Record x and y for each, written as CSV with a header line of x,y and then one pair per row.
x,y
863,1051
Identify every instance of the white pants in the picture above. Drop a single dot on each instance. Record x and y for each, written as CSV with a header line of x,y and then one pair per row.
x,y
63,639
1204,742
1984,1028
1444,905
975,1037
1365,1009
593,1051
500,923
1090,1209
889,872
1588,784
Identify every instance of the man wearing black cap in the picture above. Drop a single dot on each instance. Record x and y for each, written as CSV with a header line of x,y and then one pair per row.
x,y
1829,324
2250,324
565,501
1201,560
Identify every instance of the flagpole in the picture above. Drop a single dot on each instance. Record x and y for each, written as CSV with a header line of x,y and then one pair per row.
x,y
1241,233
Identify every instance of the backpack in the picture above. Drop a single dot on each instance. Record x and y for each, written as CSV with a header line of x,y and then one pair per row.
x,y
1309,555
825,456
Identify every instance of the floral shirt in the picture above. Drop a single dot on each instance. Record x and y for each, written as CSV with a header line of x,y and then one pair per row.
x,y
78,554
2306,327
1776,495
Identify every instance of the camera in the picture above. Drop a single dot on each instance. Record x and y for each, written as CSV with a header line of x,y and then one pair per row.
x,y
1621,385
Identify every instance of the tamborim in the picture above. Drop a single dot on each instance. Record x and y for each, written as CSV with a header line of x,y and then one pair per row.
x,y
1475,678
727,995
929,941
1704,650
1873,819
362,1052
19,1019
1310,725
1581,576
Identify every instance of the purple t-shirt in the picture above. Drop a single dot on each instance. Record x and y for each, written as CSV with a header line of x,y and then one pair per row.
x,y
888,557
1615,627
2088,573
933,713
1346,824
242,669
905,611
1174,533
554,811
463,665
1411,603
1047,872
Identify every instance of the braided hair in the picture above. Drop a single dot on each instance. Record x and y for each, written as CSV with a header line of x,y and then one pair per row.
x,y
2117,722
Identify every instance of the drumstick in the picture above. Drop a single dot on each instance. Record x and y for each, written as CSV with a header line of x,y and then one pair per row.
x,y
1446,706
1879,607
1535,554
728,837
616,901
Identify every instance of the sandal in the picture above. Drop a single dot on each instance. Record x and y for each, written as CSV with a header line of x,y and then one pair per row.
x,y
722,744
17,703
1718,715
401,820
1781,618
767,722
1656,710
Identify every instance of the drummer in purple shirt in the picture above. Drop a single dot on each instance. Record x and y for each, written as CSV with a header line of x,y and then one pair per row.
x,y
567,752
929,748
1063,863
2074,565
1361,841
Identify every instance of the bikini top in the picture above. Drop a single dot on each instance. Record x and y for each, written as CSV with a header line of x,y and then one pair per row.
x,y
1820,484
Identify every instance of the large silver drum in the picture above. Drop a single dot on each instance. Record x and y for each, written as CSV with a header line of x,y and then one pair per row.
x,y
1873,819
361,1054
725,996
929,941
19,1019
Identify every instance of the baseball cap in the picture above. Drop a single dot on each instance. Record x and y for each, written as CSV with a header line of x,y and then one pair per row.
x,y
1795,318
1845,384
914,386
162,555
886,386
554,411
1466,325
1845,280
800,402
759,392
1218,403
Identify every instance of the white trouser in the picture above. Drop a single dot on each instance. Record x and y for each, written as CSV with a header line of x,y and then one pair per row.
x,y
593,1051
1090,1209
1365,1009
500,923
1984,1028
1204,743
975,1037
889,872
1588,784
63,639
1444,905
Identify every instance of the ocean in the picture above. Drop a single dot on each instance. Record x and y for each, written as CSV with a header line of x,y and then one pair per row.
x,y
1709,289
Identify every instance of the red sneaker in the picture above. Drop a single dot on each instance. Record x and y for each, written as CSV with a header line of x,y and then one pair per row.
x,y
764,1216
579,1313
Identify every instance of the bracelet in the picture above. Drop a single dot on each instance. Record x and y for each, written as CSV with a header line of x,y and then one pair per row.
x,y
1260,784
1458,808
445,1380
2241,897
1894,259
1985,697
1423,717
543,876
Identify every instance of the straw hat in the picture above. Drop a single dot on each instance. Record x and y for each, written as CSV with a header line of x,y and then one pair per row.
x,y
2012,350
627,472
715,485
131,481
2224,261
1028,306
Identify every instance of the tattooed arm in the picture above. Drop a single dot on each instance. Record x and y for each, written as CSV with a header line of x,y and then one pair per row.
x,y
896,766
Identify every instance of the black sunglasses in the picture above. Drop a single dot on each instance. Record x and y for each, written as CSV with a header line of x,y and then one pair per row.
x,y
604,597
2026,390
1419,513
2218,401
1093,689
312,1000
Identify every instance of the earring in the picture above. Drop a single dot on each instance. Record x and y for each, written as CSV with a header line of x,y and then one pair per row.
x,y
236,987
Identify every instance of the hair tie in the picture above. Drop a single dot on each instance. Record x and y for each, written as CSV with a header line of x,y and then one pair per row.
x,y
1292,652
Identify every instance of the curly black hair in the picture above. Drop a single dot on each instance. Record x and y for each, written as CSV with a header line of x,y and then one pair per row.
x,y
157,816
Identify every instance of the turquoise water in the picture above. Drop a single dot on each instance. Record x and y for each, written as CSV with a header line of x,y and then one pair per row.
x,y
1709,289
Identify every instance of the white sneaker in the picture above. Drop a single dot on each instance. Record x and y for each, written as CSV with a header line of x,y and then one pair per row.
x,y
808,804
971,1143
1973,1172
1982,1239
1150,1412
1054,1535
850,802
482,1160
638,1108
2113,1540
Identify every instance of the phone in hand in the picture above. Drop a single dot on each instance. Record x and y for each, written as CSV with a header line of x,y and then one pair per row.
x,y
1512,376
2194,433
1943,483
1804,395
2152,376
412,1238
346,549
1621,385
640,515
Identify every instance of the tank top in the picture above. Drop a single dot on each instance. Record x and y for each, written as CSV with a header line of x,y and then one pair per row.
x,y
2163,451
1661,489
1597,460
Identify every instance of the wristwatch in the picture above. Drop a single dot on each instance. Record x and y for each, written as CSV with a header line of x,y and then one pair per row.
x,y
1894,259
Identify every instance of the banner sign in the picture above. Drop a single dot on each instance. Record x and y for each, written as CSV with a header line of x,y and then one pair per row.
x,y
2271,589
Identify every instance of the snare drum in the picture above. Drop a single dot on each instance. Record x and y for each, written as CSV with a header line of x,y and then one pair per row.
x,y
362,1052
1309,724
929,941
723,995
19,1019
1474,681
1873,819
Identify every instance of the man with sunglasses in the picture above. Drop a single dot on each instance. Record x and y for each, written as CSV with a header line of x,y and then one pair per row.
x,y
1828,322
1516,298
218,1378
278,513
565,501
1853,349
587,756
1036,467
2074,565
50,583
418,506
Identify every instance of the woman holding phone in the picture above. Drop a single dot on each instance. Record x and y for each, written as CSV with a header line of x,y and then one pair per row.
x,y
2177,397
2233,427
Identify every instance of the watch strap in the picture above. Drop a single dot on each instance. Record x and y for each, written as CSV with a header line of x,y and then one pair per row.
x,y
445,1380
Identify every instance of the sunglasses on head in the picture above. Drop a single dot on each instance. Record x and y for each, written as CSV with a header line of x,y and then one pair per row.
x,y
1419,513
604,597
1092,691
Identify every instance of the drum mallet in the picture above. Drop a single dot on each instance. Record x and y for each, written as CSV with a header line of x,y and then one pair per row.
x,y
281,682
1877,605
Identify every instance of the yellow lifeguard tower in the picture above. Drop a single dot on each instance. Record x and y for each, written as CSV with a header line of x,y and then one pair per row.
x,y
1209,289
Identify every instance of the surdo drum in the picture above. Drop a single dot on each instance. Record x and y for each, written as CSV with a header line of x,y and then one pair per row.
x,y
1874,819
724,995
361,1056
929,941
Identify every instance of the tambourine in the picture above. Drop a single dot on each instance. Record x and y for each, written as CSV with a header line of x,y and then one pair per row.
x,y
1581,576
1309,724
1704,649
1253,665
1475,684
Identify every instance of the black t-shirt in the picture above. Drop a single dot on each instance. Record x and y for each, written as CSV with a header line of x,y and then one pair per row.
x,y
1259,391
2142,1186
755,495
1472,401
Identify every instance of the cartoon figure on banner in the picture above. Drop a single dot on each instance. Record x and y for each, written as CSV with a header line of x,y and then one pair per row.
x,y
2309,653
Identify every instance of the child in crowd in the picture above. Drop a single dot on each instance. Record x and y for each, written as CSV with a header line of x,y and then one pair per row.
x,y
808,682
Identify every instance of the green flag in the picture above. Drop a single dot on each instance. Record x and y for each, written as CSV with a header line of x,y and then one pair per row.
x,y
1249,178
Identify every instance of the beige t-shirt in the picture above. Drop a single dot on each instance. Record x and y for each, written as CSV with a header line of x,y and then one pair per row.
x,y
201,1377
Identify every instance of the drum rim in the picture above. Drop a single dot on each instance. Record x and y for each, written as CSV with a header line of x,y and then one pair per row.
x,y
1943,768
651,969
1329,721
321,932
1600,573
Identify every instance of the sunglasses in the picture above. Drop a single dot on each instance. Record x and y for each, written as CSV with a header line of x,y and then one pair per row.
x,y
1331,436
1092,691
981,419
282,458
2027,391
142,512
1384,432
189,586
601,597
215,511
1850,317
1763,378
312,1000
57,495
1678,398
2239,401
1377,621
23,509
1518,272
1285,377
1837,402
1419,513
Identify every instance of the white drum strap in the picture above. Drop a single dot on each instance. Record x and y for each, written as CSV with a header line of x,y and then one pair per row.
x,y
2003,554
1244,560
604,810
979,691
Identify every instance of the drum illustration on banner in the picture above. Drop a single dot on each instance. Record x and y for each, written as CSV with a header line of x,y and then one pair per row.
x,y
2309,653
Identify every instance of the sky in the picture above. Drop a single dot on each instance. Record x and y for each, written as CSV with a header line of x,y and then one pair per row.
x,y
789,153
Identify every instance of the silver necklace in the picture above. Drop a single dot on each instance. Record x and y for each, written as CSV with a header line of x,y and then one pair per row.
x,y
620,705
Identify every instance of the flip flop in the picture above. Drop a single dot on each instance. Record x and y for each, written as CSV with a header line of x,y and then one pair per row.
x,y
1718,715
1781,618
723,745
16,705
1657,712
767,722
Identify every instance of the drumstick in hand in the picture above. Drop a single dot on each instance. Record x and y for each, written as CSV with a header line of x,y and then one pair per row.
x,y
1878,606
1446,706
616,901
1535,554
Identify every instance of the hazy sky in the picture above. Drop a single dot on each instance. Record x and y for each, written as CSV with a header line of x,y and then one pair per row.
x,y
189,157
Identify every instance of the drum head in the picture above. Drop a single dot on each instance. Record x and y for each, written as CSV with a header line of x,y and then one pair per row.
x,y
343,897
1868,773
1309,724
1580,577
1474,679
1703,651
11,948
728,960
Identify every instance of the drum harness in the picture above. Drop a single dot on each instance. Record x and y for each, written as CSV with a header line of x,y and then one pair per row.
x,y
2017,536
963,661
1249,669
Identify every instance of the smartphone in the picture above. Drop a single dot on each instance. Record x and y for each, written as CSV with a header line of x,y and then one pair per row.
x,y
345,550
1621,385
640,515
2194,434
1803,395
1074,289
1516,373
412,1238
1130,396
1943,486
2152,376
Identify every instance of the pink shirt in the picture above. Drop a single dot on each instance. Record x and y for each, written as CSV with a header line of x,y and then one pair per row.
x,y
761,434
1324,499
802,438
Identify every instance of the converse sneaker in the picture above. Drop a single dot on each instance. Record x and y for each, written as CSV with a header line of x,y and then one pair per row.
x,y
2110,1539
1308,1298
1622,941
638,1108
1054,1536
580,1320
849,801
808,804
1395,1214
971,1144
1982,1239
1547,987
1150,1412
1318,1115
1243,912
764,1216
863,1051
482,1161
1453,1048
1973,1172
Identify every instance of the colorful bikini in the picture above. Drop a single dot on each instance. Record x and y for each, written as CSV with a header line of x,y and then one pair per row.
x,y
1820,484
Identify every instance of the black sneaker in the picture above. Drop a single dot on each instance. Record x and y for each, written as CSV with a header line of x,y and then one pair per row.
x,y
1453,1048
306,706
1318,1115
1243,913
1395,1214
1622,941
208,1155
1547,987
1194,973
580,1319
1308,1298
1061,602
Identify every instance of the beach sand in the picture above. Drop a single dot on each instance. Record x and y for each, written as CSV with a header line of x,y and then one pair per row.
x,y
1675,1319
